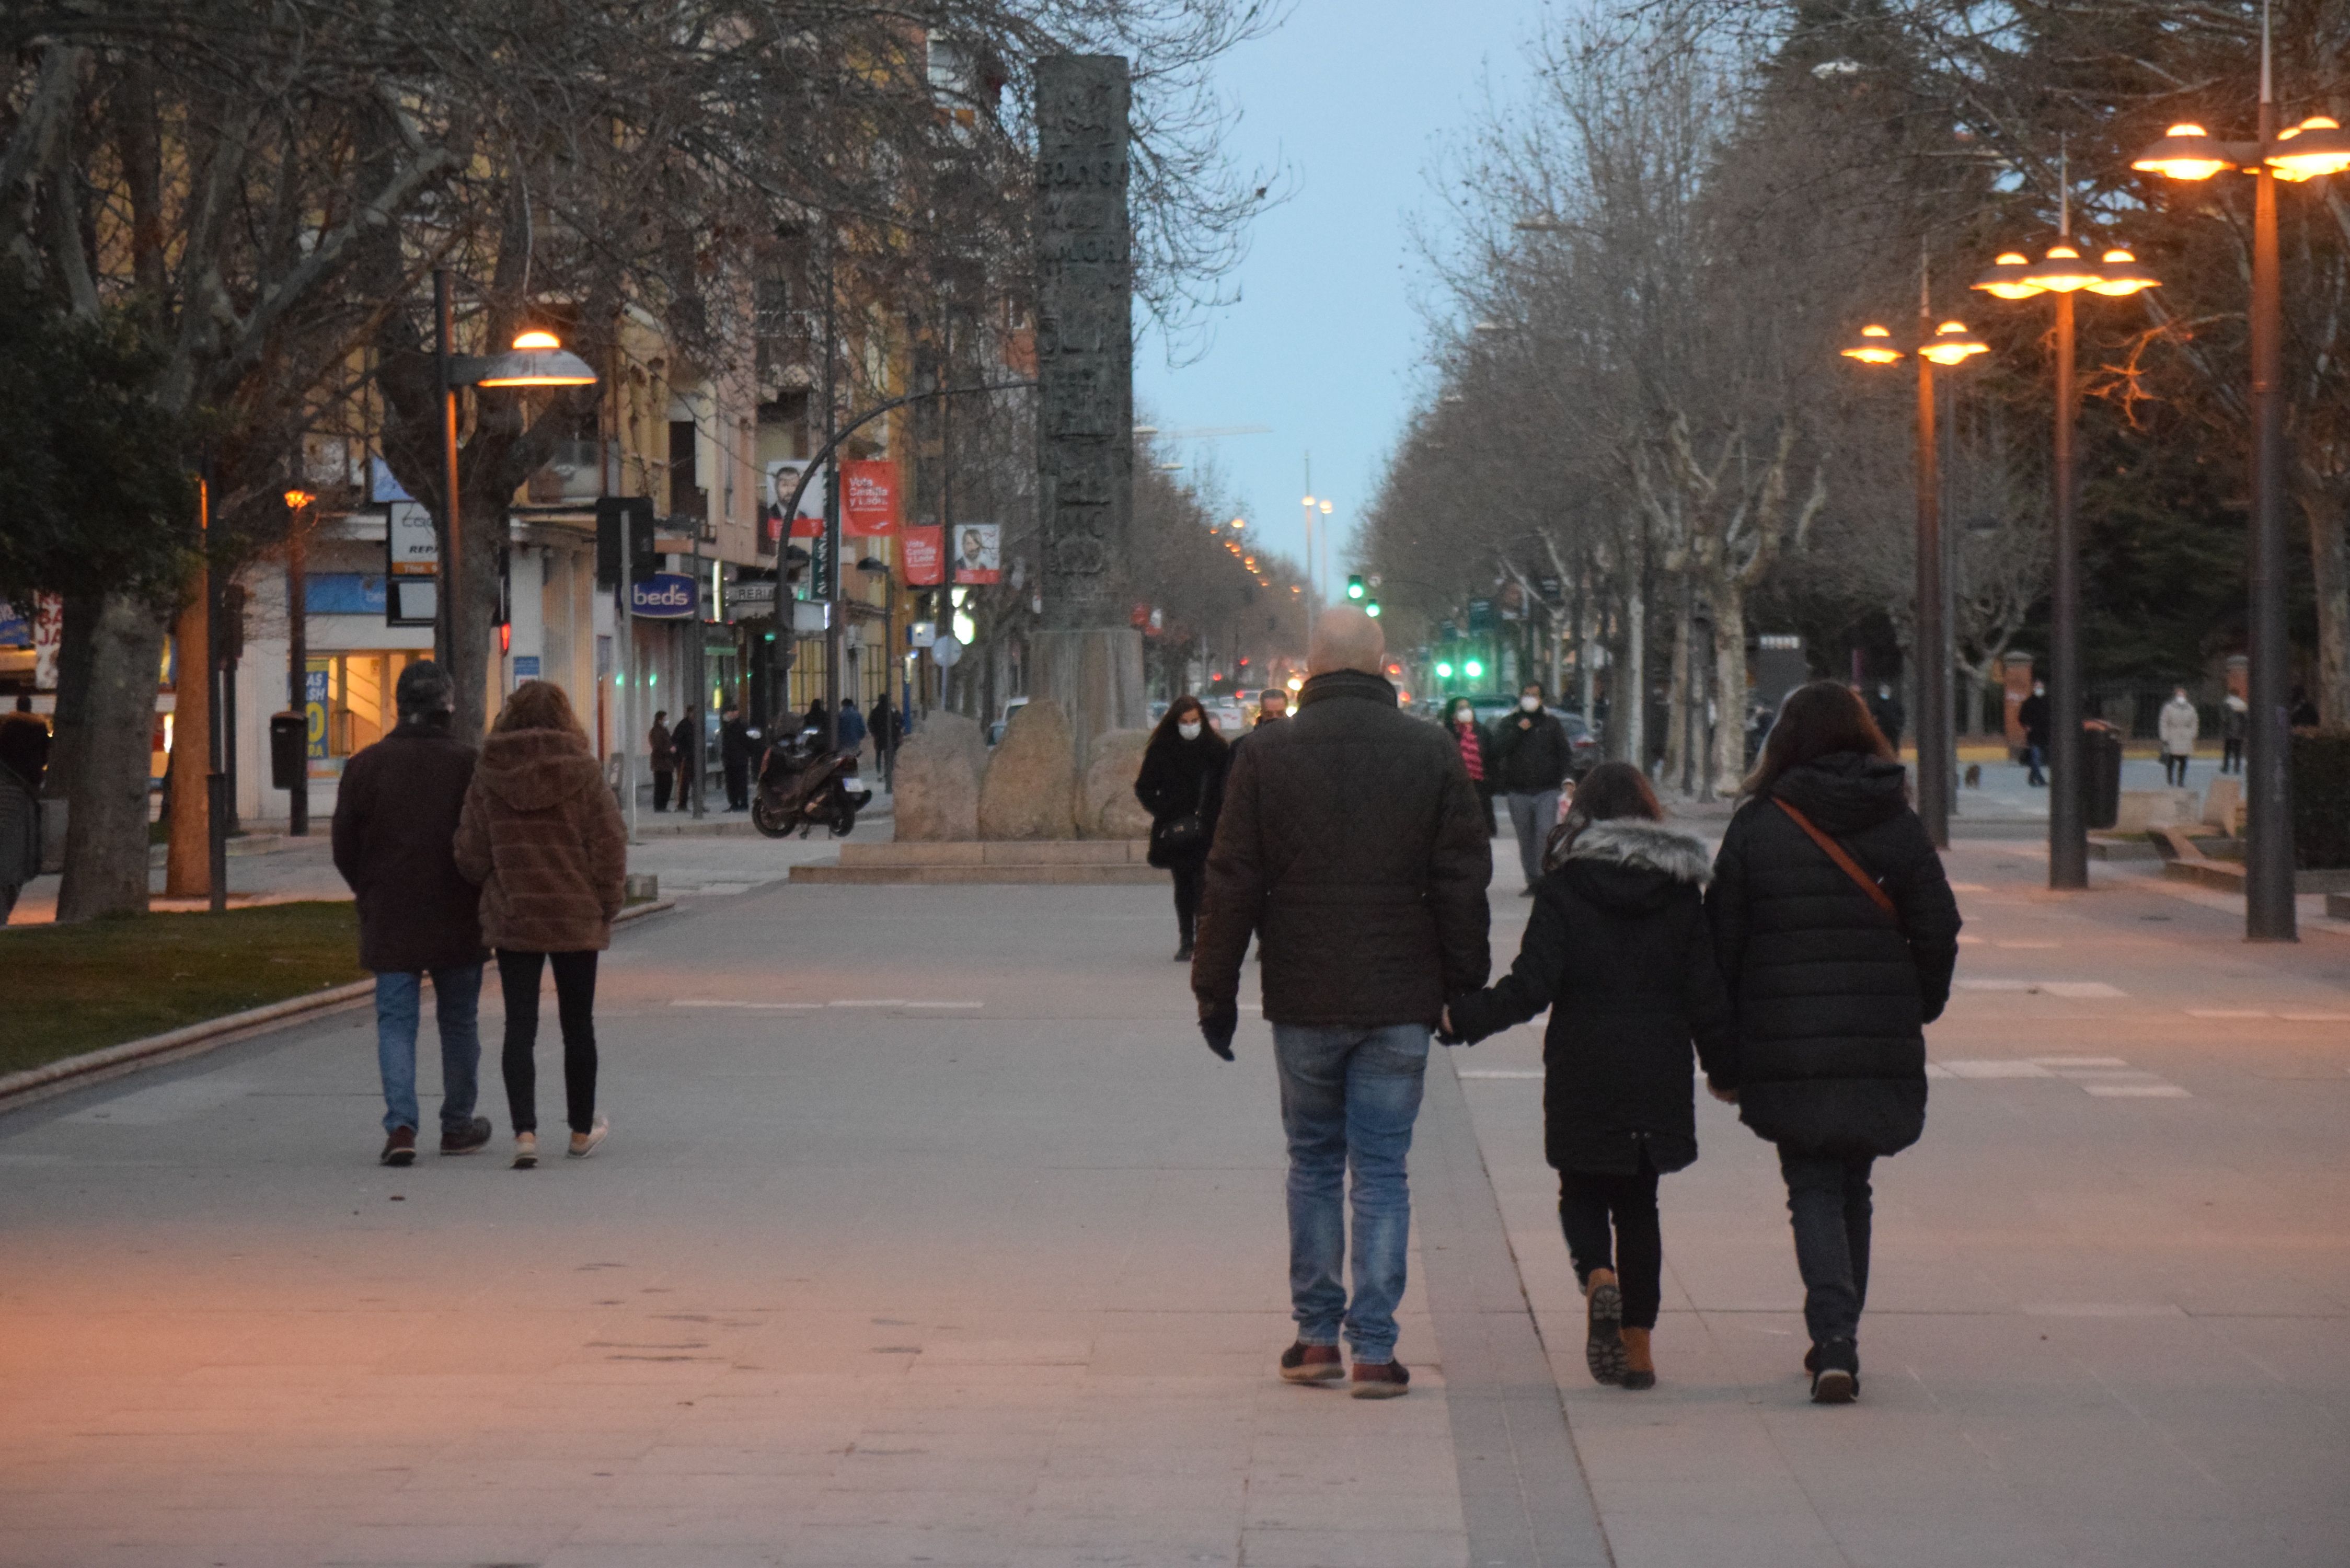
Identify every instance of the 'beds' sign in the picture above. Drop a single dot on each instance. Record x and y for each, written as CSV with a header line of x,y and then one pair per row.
x,y
665,596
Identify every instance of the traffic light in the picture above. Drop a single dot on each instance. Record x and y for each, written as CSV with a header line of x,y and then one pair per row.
x,y
1371,609
1472,669
1443,670
1354,590
631,515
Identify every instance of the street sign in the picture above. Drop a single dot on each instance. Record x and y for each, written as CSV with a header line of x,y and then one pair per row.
x,y
754,597
1481,616
665,596
946,652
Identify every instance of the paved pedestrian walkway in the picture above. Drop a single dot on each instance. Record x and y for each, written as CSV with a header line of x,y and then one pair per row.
x,y
929,1233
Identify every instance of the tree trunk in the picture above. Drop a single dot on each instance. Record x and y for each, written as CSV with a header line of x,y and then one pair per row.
x,y
1680,768
106,831
187,864
1631,706
1730,687
2329,561
67,724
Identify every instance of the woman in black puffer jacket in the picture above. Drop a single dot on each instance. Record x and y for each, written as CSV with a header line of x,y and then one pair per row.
x,y
1181,785
1619,950
1834,974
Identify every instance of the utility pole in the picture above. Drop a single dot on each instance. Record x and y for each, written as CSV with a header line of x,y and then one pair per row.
x,y
298,665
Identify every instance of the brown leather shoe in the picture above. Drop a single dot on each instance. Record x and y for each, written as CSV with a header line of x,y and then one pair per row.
x,y
471,1137
1639,1367
1303,1363
1603,1335
1380,1380
400,1147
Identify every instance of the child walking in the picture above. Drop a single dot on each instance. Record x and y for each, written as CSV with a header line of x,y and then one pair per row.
x,y
1617,948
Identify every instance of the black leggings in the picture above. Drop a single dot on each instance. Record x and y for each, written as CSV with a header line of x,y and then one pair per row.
x,y
1190,876
1588,1200
574,1006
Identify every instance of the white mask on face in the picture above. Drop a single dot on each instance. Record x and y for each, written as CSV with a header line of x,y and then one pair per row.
x,y
1530,704
1188,729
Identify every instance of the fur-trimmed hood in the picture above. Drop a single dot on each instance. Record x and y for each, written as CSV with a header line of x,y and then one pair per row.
x,y
1639,845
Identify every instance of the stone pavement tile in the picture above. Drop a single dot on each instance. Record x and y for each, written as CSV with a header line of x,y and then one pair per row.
x,y
894,1546
1189,1554
1370,1548
672,1554
1348,1504
431,1543
1782,1538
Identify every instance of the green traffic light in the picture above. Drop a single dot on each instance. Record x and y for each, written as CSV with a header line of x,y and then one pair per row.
x,y
1443,670
1472,669
1372,609
1355,587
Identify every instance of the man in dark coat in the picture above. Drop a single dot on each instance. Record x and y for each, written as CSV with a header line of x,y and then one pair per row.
x,y
2033,715
1349,846
1532,757
395,828
735,749
685,748
1885,712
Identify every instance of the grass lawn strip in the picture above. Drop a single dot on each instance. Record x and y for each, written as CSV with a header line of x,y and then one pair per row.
x,y
84,987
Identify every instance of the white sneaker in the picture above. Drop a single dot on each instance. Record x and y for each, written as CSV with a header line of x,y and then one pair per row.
x,y
526,1151
585,1144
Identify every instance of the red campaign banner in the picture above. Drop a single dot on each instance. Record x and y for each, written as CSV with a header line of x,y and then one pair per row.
x,y
925,557
869,498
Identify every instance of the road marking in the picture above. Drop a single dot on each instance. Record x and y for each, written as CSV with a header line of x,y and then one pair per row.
x,y
748,1006
2080,1060
940,1006
1968,887
2317,1018
2102,1309
2136,1091
1497,1073
2227,1013
874,1001
1994,1067
2071,990
2022,945
714,889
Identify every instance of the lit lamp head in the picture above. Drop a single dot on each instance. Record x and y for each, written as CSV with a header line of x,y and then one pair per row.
x,y
2120,273
2185,153
1874,347
1952,344
537,359
2064,272
2006,278
298,498
2318,145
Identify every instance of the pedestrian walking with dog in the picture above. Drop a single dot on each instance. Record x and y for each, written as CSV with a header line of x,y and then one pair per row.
x,y
1619,950
1836,934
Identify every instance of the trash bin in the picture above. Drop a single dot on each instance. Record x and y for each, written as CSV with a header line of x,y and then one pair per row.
x,y
2101,773
289,749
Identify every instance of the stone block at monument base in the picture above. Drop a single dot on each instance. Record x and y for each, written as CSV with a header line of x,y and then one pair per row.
x,y
1106,805
1030,788
935,791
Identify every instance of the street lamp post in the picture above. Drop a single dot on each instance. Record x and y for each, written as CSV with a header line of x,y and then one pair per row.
x,y
2316,147
2065,273
1948,345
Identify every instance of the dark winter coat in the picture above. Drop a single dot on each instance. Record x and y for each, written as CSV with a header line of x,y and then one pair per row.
x,y
1531,752
1178,777
1831,997
685,748
851,729
395,826
2032,717
1350,845
1618,950
734,746
662,748
543,836
1889,715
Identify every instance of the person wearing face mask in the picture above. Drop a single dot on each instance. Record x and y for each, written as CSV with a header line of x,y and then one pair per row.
x,y
2033,714
1476,752
1531,758
1181,785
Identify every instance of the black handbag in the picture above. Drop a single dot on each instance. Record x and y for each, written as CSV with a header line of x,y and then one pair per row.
x,y
1180,836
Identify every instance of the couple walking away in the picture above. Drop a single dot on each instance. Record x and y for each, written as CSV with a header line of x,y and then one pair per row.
x,y
1803,980
521,849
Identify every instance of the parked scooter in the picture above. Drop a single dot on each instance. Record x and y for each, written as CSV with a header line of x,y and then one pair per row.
x,y
801,785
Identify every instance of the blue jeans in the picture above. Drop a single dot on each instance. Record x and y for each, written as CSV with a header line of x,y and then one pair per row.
x,y
1348,1097
456,1001
1829,1203
1534,816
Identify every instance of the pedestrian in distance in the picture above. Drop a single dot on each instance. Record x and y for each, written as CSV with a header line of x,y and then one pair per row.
x,y
1836,934
1619,950
1476,748
23,755
2235,721
852,726
734,751
1349,848
1181,785
2178,725
541,836
685,747
2033,715
884,722
1885,709
396,816
663,748
1532,757
1272,708
817,716
2300,713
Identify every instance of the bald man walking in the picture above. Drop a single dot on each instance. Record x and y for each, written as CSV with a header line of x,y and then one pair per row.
x,y
1350,845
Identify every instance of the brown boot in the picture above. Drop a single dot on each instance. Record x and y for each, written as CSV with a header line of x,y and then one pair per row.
x,y
1639,1367
1603,1340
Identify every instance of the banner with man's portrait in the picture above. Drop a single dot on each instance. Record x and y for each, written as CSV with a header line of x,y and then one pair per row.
x,y
978,554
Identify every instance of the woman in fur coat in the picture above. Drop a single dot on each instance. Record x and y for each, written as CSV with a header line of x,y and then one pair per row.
x,y
1618,950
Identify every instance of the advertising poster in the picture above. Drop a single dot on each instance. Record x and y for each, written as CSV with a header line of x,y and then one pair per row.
x,y
869,499
924,550
783,477
411,547
979,554
314,715
49,632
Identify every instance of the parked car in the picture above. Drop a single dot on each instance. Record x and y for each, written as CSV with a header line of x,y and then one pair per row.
x,y
1227,715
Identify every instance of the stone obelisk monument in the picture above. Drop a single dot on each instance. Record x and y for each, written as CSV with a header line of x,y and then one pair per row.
x,y
1088,657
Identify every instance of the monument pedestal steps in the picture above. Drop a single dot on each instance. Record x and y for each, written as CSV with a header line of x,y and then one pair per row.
x,y
1097,862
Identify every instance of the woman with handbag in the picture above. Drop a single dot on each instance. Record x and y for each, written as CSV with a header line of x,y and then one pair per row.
x,y
1836,933
1181,785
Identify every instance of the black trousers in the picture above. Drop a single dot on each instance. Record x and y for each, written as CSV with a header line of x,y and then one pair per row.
x,y
2231,754
1590,1206
1190,876
661,780
738,785
1830,1206
574,1007
2174,768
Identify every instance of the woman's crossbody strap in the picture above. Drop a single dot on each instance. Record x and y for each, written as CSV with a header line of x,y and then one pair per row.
x,y
1845,862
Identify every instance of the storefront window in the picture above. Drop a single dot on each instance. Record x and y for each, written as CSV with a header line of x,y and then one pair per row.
x,y
350,702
